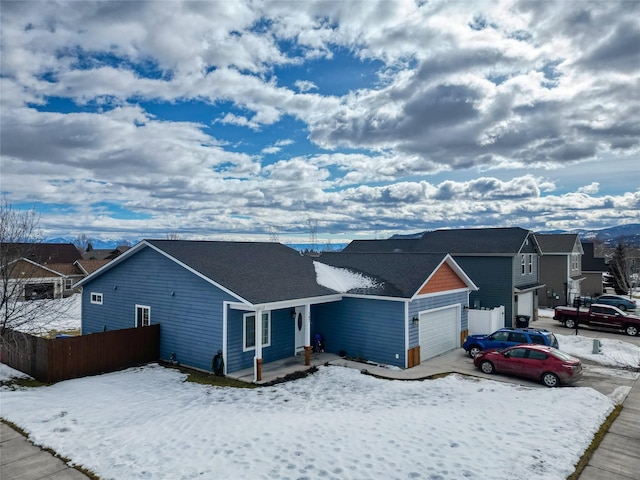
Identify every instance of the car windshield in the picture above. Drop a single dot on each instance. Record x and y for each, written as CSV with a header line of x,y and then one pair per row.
x,y
562,355
553,341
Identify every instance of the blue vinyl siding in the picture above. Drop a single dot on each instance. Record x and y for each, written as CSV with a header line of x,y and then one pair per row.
x,y
494,277
282,340
190,319
528,278
366,328
429,303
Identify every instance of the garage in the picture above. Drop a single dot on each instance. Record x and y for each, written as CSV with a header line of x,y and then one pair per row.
x,y
525,304
439,331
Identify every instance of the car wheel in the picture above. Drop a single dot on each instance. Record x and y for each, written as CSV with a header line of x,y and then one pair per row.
x,y
631,330
570,323
474,350
550,379
487,367
622,307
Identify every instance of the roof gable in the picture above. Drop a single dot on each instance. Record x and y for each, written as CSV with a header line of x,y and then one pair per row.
x,y
443,279
559,243
396,274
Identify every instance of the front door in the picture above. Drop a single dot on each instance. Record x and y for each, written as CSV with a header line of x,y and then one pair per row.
x,y
300,325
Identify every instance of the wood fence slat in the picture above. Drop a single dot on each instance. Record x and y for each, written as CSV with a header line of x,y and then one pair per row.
x,y
57,359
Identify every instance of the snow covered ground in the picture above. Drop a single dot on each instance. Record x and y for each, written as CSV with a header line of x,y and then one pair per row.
x,y
59,315
147,423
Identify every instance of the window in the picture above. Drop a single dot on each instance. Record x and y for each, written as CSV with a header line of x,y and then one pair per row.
x,y
530,263
517,337
536,355
500,336
143,316
539,339
518,353
96,298
249,330
575,261
522,264
68,283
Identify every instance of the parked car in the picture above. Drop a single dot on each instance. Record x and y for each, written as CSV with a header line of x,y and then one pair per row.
x,y
622,303
508,337
548,365
598,315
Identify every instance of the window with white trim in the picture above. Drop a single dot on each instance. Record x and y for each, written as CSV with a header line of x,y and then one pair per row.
x,y
249,330
522,264
143,316
68,283
96,298
575,261
530,263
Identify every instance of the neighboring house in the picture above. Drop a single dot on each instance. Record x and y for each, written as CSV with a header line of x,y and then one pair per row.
x,y
264,301
41,270
502,262
593,269
560,268
105,253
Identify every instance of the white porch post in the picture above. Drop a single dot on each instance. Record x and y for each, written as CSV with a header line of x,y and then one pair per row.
x,y
307,334
257,370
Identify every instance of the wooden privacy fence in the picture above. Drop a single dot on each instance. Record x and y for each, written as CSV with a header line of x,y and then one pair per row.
x,y
56,359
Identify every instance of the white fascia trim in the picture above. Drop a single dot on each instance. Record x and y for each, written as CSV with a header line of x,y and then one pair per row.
x,y
285,303
437,294
406,334
448,259
376,297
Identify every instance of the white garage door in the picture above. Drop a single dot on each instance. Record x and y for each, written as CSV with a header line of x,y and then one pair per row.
x,y
525,304
439,331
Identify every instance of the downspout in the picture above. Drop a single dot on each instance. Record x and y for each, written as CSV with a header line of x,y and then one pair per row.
x,y
257,368
307,334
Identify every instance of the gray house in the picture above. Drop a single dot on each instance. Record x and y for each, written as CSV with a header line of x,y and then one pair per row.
x,y
560,268
593,269
261,302
502,262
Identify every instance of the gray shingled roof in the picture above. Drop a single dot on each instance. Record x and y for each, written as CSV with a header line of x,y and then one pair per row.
x,y
556,242
259,272
397,274
471,241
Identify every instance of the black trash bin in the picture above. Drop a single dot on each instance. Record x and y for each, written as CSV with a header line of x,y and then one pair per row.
x,y
522,321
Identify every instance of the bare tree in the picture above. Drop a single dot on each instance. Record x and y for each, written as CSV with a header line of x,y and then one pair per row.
x,y
173,236
19,237
274,233
83,243
622,270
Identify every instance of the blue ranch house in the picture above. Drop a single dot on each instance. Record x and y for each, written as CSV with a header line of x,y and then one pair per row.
x,y
261,302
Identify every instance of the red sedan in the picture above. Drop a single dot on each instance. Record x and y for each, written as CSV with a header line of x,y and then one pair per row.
x,y
538,362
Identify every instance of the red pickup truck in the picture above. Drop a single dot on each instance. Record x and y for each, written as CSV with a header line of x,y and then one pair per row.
x,y
598,315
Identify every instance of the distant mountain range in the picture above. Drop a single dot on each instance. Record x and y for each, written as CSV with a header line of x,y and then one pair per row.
x,y
630,234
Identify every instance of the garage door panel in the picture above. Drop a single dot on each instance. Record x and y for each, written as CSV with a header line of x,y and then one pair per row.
x,y
438,332
525,304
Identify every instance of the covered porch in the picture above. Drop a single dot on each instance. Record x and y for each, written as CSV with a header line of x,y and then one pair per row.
x,y
281,368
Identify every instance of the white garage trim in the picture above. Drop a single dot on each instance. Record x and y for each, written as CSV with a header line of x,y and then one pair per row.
x,y
439,330
525,304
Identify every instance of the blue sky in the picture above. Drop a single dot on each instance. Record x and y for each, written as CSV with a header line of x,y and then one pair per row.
x,y
235,120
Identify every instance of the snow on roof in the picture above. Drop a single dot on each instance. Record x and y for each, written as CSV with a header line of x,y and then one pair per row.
x,y
341,279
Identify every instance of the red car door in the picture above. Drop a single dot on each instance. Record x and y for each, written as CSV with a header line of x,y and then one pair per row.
x,y
511,361
535,364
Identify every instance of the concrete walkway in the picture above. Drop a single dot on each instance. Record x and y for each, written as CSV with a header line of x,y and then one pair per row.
x,y
21,460
618,455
